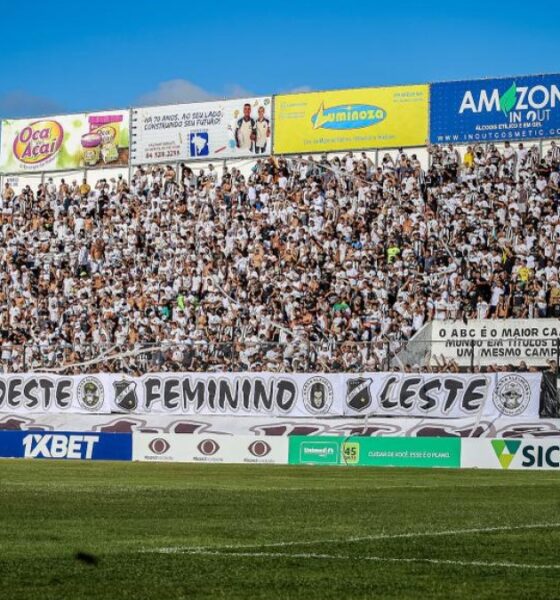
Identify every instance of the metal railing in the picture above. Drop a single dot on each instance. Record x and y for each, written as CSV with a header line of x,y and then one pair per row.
x,y
297,356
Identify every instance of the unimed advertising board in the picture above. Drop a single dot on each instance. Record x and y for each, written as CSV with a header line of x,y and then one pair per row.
x,y
375,451
513,108
384,117
202,131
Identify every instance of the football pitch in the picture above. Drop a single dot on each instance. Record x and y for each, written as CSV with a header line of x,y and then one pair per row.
x,y
71,530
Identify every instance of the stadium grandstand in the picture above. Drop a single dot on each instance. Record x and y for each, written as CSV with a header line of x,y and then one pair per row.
x,y
303,263
213,312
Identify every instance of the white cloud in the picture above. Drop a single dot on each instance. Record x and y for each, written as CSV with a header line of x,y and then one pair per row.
x,y
19,103
181,90
234,90
298,90
175,91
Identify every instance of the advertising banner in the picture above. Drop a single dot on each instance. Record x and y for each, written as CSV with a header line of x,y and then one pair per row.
x,y
271,426
67,445
511,453
236,449
66,142
494,110
441,395
495,341
354,119
376,451
206,130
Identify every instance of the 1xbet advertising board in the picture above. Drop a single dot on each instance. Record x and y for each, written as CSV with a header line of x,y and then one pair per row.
x,y
375,451
80,141
493,110
65,445
384,117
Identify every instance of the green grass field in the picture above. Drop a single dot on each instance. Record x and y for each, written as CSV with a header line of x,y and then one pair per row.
x,y
221,531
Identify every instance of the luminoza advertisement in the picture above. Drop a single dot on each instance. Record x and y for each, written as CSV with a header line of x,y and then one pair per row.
x,y
206,130
385,117
65,142
487,110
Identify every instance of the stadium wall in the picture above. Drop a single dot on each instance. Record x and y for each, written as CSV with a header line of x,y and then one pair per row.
x,y
419,452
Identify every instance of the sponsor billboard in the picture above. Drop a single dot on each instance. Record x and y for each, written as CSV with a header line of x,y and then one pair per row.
x,y
66,445
493,341
383,117
512,454
271,426
66,142
205,131
443,395
493,110
237,449
376,451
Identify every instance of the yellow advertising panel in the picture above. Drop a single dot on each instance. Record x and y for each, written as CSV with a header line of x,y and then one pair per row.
x,y
383,117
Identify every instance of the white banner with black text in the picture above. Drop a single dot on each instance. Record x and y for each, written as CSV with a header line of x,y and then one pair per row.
x,y
277,394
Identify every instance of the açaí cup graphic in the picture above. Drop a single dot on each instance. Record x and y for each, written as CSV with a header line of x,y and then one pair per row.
x,y
107,128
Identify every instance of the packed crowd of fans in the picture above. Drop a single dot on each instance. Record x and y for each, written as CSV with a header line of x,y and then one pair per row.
x,y
305,264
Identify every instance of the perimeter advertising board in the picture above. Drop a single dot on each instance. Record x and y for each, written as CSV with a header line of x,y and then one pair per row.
x,y
512,454
354,119
206,130
493,110
376,451
66,445
65,142
235,449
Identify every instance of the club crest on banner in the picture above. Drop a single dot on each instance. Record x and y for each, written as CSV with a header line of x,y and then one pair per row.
x,y
318,395
125,394
90,393
358,393
512,395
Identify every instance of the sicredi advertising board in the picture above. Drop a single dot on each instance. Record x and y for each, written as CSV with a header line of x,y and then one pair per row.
x,y
510,453
494,110
65,142
352,119
206,130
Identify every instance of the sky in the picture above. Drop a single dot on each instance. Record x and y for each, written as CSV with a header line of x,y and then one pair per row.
x,y
58,57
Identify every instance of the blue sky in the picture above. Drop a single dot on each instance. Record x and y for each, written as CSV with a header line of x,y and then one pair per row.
x,y
68,56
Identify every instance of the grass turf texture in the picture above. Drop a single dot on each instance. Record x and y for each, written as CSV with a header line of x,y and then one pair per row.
x,y
111,512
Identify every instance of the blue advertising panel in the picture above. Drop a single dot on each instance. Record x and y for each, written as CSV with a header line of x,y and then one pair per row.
x,y
66,445
494,110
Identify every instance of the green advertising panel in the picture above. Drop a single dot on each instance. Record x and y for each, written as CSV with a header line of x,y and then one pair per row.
x,y
376,451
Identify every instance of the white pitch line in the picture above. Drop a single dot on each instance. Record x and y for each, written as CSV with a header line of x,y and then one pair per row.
x,y
379,536
434,561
